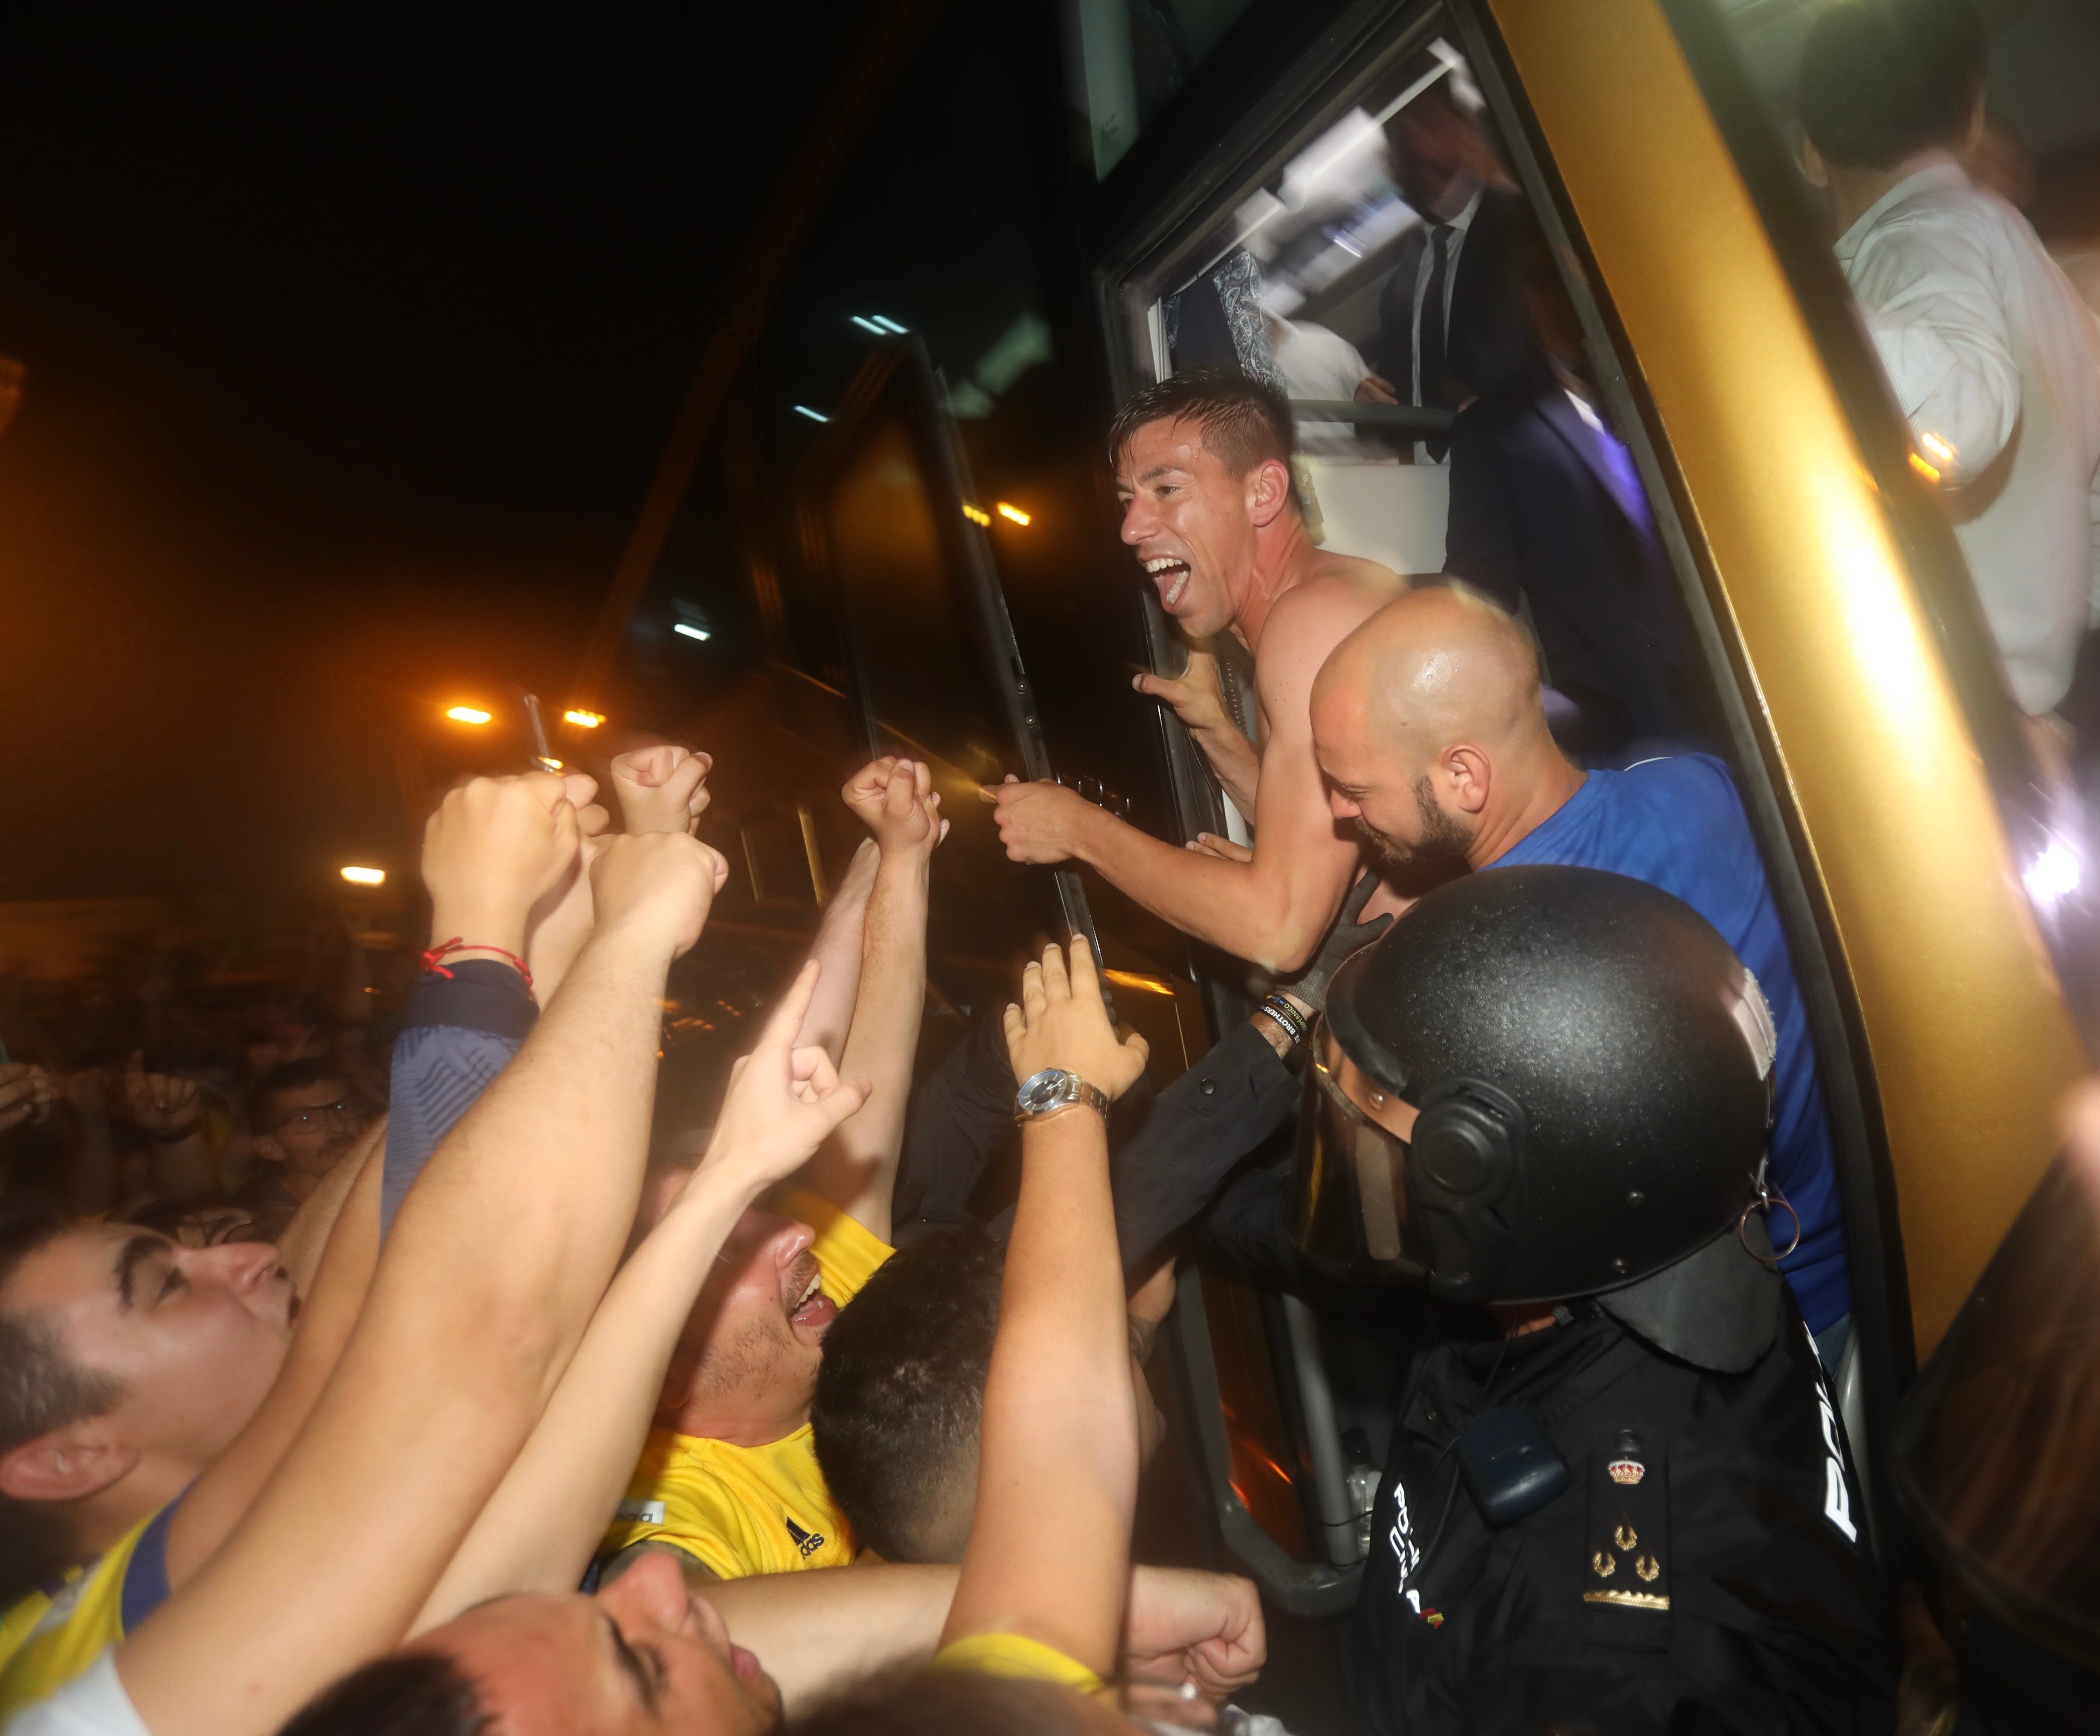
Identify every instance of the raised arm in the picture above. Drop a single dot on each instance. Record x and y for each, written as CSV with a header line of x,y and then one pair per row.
x,y
1271,910
1049,1551
500,1253
856,1170
538,1533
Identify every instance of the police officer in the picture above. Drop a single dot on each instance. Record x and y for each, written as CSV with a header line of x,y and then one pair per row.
x,y
1617,1498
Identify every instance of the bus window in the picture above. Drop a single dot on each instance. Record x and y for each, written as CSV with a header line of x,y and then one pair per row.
x,y
1127,59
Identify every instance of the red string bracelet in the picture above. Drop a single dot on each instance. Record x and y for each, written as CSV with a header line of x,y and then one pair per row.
x,y
458,944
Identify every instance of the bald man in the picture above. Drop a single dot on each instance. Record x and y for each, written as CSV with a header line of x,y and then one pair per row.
x,y
1203,468
1429,728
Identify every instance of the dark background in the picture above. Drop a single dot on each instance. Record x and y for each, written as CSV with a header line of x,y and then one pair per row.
x,y
351,351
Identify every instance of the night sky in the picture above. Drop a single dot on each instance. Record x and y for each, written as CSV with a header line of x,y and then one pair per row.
x,y
350,356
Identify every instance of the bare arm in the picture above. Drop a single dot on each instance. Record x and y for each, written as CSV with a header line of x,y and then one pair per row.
x,y
823,1630
856,1170
840,939
1198,699
1049,1549
1271,910
306,1236
499,1255
539,1531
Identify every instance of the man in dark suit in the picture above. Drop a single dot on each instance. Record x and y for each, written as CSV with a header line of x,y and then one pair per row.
x,y
1545,504
1451,324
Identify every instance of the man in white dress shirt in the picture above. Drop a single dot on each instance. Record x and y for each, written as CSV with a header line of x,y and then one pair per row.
x,y
1988,349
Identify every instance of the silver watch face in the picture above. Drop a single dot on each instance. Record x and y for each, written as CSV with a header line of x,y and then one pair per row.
x,y
1045,1090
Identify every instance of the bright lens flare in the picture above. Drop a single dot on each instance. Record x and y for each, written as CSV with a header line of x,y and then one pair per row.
x,y
584,720
1014,513
365,876
2051,876
468,714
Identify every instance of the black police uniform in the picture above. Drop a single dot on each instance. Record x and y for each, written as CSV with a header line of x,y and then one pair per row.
x,y
1702,1569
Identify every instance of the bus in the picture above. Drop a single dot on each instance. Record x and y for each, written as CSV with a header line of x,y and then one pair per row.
x,y
886,522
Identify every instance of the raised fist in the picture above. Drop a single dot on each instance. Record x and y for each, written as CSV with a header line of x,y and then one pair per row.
x,y
161,1103
661,789
495,848
895,800
661,885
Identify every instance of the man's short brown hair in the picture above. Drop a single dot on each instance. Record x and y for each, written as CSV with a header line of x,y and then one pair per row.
x,y
1244,422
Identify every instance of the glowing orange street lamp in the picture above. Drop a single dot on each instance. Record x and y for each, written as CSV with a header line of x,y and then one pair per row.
x,y
468,714
365,876
584,720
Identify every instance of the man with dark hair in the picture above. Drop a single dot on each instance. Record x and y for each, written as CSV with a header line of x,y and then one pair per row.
x,y
1988,349
1203,469
1451,326
900,1397
303,1116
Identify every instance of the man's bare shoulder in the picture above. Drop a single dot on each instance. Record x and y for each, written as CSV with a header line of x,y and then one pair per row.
x,y
1314,616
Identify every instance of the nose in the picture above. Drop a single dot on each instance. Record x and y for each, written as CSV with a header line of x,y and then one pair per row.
x,y
1139,520
788,1242
650,1597
239,1265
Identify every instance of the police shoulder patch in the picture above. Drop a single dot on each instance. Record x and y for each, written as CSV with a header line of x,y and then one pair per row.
x,y
1626,1568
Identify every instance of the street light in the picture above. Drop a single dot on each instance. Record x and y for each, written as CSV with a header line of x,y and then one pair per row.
x,y
365,876
584,720
468,714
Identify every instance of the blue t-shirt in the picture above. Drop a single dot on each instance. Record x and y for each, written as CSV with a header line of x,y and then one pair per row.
x,y
1678,824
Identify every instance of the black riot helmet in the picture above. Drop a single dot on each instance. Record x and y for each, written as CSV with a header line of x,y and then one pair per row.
x,y
1589,1066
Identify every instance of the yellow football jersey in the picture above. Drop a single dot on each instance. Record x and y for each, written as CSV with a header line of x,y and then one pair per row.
x,y
48,1638
742,1510
1016,1654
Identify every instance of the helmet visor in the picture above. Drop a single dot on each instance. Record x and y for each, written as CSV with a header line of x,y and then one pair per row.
x,y
1349,1214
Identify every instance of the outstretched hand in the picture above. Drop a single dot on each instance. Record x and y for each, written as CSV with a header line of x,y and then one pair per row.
x,y
782,1103
25,1089
895,799
661,789
1062,1021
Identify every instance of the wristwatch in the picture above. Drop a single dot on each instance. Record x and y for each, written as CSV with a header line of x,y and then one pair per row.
x,y
1054,1089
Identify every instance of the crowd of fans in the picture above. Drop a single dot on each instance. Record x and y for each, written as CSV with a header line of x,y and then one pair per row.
x,y
447,1387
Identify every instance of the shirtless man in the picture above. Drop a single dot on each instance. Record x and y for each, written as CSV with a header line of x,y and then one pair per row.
x,y
1203,468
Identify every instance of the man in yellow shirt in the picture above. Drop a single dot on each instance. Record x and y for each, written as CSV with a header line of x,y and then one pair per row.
x,y
729,1479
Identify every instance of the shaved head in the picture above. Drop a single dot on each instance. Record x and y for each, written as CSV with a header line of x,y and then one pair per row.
x,y
1428,715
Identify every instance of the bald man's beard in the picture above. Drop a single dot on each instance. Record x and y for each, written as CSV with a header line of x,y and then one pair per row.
x,y
1440,849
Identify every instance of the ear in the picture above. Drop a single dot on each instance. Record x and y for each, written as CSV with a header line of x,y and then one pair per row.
x,y
62,1466
1268,491
264,1147
1812,166
1469,774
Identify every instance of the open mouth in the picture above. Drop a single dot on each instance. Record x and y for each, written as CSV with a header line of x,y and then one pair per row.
x,y
813,1311
1171,574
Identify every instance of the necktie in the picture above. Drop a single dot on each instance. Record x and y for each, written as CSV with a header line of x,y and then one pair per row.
x,y
1432,371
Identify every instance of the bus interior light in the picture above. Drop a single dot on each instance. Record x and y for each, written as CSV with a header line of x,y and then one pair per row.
x,y
815,415
701,633
889,324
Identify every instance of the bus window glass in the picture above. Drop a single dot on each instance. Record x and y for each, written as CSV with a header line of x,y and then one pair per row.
x,y
1128,58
